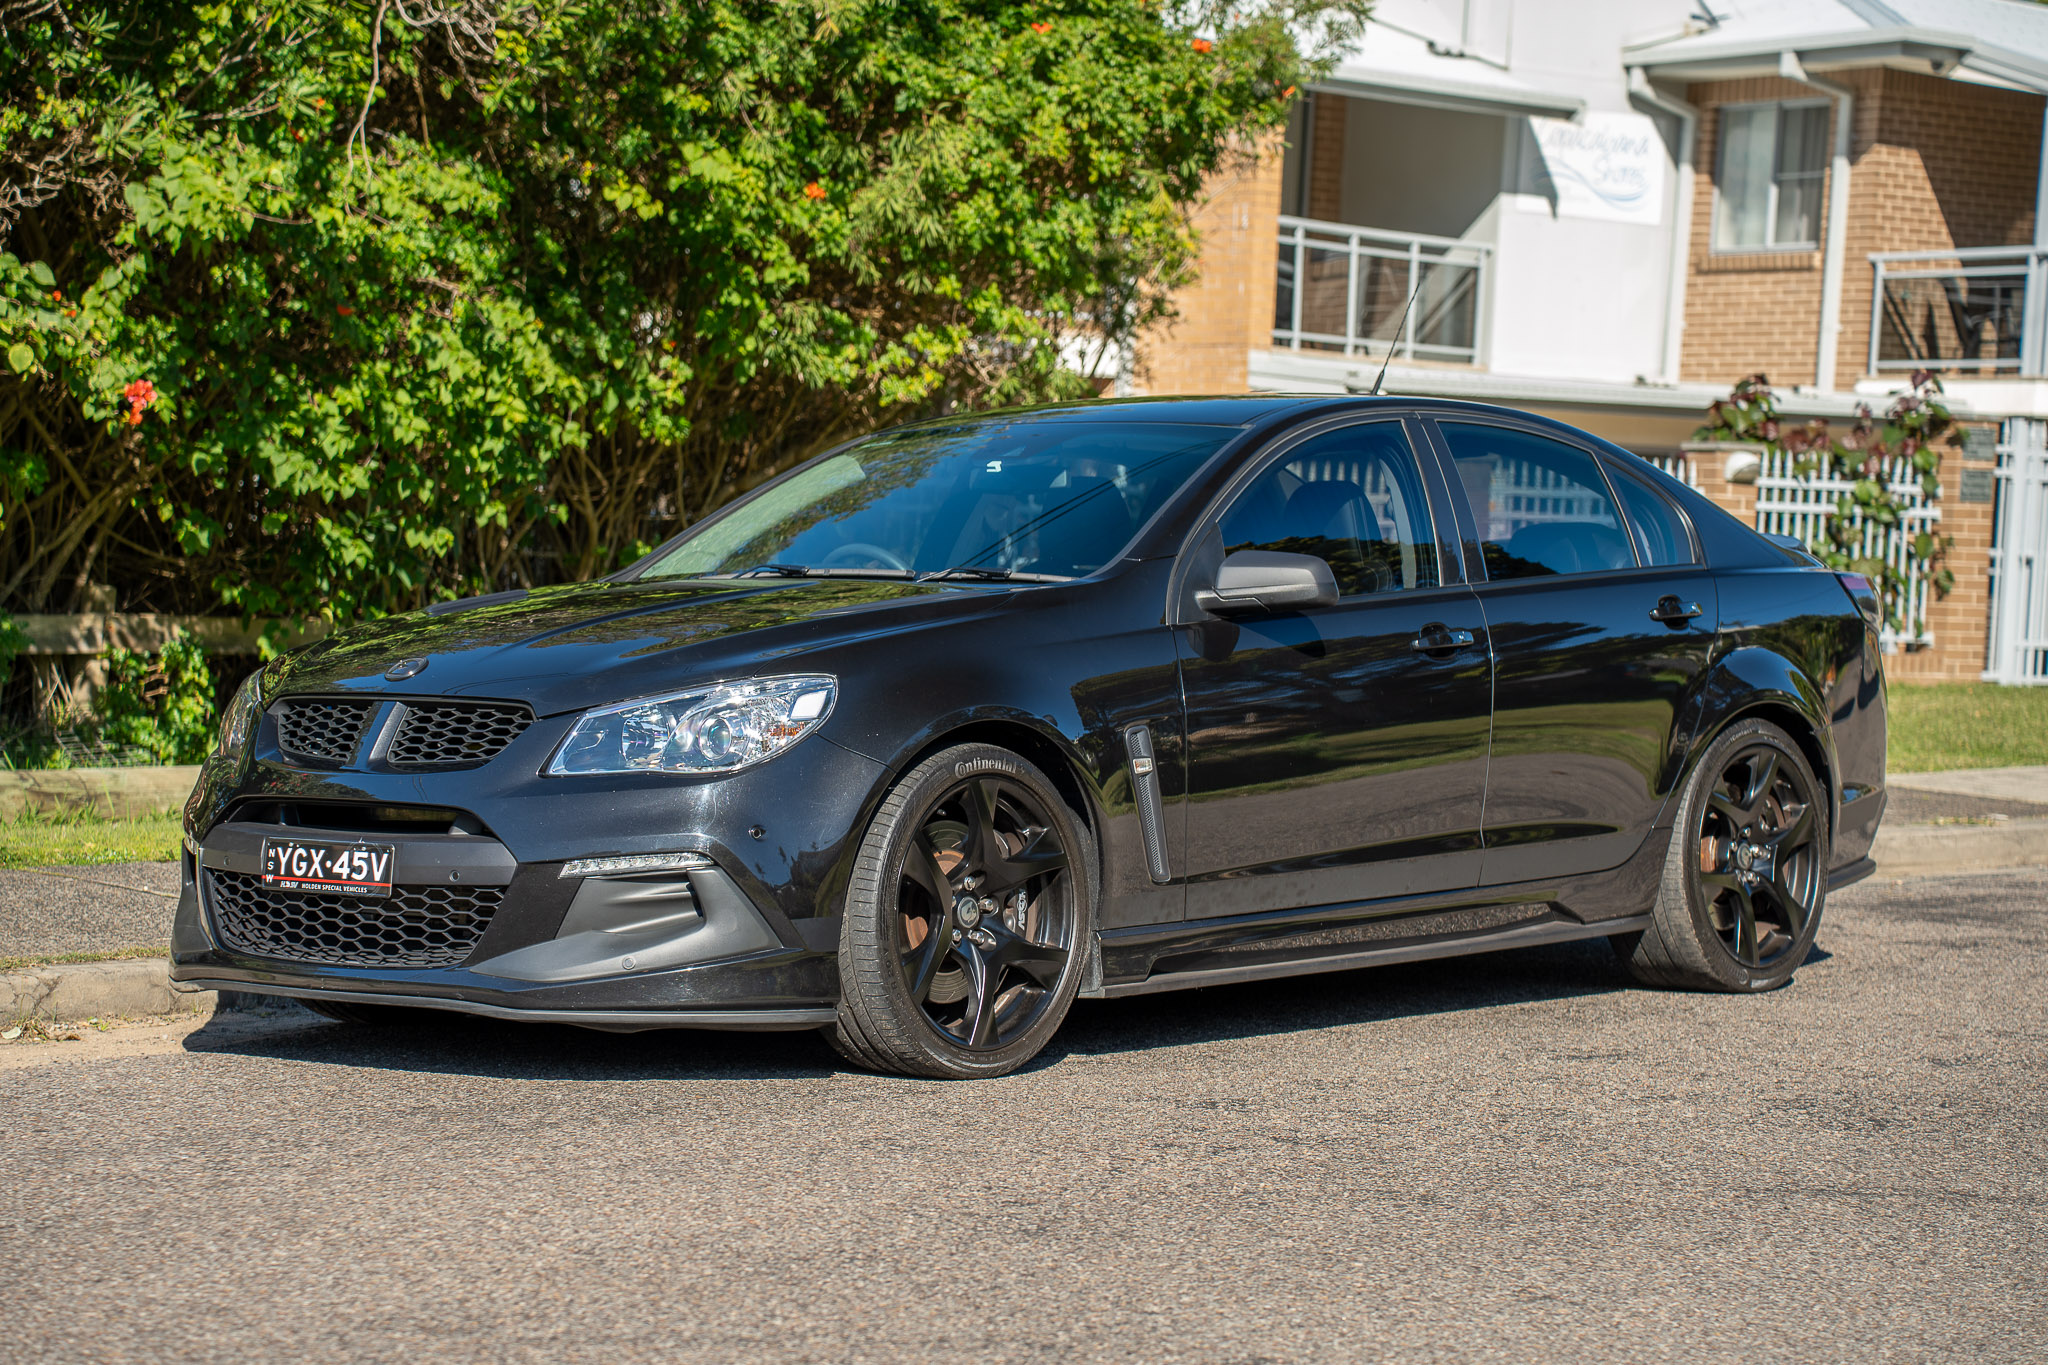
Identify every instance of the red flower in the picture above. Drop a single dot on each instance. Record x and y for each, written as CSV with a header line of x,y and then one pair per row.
x,y
345,310
814,191
1041,28
135,399
1203,44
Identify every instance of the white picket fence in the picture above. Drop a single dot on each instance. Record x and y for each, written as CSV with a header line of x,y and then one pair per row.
x,y
1789,504
2018,650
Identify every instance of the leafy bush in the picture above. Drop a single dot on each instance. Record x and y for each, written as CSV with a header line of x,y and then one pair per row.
x,y
318,309
159,703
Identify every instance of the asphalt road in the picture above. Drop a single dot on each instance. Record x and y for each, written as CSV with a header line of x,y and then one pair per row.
x,y
1514,1158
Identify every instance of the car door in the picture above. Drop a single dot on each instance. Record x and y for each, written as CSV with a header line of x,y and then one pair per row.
x,y
1602,619
1336,753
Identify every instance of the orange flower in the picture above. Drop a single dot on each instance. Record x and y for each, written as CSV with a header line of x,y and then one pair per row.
x,y
1041,28
814,191
1203,44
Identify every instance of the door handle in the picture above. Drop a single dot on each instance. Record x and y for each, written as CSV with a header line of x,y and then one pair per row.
x,y
1437,638
1673,612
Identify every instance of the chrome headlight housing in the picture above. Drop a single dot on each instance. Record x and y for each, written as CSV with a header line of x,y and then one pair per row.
x,y
238,722
720,728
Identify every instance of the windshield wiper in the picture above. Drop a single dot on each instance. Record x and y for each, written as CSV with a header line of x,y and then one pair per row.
x,y
811,571
992,575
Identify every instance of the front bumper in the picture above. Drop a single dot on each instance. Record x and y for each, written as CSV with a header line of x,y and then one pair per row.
x,y
668,950
746,938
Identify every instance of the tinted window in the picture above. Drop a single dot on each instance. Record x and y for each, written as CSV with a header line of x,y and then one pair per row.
x,y
1018,495
1352,498
1660,533
1542,506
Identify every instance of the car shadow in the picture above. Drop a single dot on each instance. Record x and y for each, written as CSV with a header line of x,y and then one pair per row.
x,y
441,1042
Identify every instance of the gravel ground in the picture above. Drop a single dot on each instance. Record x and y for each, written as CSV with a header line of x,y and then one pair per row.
x,y
56,910
1511,1158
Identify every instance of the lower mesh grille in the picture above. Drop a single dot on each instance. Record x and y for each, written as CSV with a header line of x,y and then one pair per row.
x,y
416,926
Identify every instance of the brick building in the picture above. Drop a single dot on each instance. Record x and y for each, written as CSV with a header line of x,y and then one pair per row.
x,y
1610,210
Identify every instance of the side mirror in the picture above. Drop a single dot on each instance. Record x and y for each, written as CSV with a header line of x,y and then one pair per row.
x,y
1267,580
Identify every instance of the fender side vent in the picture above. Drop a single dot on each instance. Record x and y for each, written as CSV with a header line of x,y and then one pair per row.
x,y
1151,810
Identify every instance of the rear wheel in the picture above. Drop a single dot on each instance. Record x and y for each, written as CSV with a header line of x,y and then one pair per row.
x,y
967,922
1746,877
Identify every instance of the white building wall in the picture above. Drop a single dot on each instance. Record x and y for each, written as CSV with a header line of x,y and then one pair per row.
x,y
1575,297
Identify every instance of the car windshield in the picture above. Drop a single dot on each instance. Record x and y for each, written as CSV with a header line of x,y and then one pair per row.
x,y
994,498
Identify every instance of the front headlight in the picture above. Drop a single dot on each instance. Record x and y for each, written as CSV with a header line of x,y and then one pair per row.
x,y
239,721
717,729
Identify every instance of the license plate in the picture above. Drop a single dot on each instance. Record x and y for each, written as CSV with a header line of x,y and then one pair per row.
x,y
332,869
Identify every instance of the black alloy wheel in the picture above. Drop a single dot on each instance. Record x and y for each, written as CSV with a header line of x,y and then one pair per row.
x,y
1760,855
972,895
1746,875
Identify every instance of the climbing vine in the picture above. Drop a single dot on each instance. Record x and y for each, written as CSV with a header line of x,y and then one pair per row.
x,y
1914,428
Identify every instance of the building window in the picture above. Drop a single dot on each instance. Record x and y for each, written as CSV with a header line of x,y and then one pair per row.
x,y
1773,163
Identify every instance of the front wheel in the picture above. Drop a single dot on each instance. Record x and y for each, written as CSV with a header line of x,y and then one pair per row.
x,y
1747,874
968,919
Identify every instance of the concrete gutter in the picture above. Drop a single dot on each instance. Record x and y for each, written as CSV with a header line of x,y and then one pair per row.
x,y
2008,784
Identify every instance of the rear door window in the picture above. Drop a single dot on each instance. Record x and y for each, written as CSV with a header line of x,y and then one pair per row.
x,y
1542,506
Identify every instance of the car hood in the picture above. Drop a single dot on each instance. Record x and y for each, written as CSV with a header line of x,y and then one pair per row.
x,y
568,648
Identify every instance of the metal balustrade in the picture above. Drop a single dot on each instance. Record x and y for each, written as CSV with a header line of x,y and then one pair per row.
x,y
1343,289
1977,310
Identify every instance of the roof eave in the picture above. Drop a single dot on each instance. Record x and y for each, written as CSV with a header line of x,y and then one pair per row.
x,y
1939,51
1438,94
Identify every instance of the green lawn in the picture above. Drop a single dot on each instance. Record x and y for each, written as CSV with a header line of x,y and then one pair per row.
x,y
57,840
1935,726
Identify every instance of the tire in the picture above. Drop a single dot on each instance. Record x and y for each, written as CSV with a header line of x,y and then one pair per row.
x,y
969,918
1746,878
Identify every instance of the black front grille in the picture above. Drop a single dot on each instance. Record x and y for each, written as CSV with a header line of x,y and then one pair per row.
x,y
415,926
454,734
328,731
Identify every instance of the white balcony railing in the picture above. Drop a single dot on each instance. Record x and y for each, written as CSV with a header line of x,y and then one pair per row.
x,y
1343,289
1973,310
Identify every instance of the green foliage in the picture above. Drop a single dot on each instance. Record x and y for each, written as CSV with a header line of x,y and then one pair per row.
x,y
13,644
160,703
317,309
1912,432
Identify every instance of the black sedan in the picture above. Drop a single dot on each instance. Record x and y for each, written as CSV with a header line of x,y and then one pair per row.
x,y
952,724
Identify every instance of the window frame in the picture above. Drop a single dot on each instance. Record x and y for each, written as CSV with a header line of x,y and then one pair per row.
x,y
1453,574
1475,555
1768,245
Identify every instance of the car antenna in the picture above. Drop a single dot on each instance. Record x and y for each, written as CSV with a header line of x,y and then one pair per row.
x,y
1399,327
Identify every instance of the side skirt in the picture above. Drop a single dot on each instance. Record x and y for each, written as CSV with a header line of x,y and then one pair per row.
x,y
1521,936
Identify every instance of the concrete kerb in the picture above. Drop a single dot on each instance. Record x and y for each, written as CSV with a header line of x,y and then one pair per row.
x,y
97,990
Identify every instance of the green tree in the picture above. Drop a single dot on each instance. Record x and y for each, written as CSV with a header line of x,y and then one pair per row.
x,y
327,308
